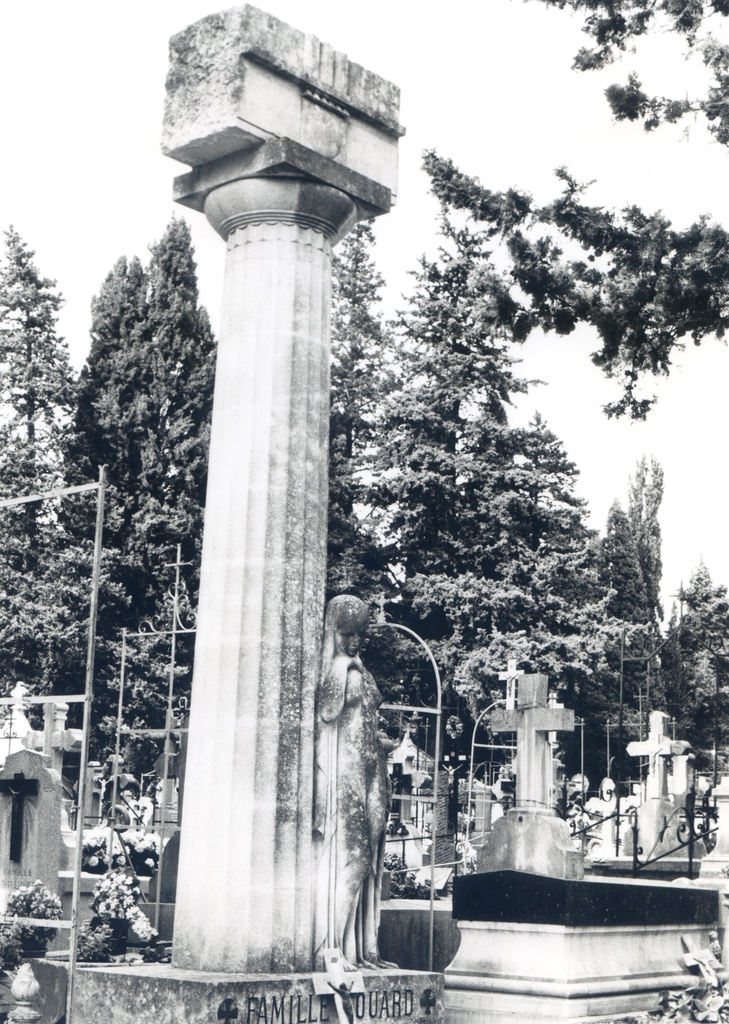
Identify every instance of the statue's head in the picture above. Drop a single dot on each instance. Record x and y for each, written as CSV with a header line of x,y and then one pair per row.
x,y
345,623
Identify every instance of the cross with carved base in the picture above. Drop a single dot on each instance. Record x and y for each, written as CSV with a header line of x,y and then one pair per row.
x,y
18,787
532,721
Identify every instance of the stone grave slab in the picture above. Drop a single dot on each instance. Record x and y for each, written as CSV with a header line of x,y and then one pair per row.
x,y
160,994
30,823
557,949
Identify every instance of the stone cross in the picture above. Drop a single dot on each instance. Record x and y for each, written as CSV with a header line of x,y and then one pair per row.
x,y
55,740
532,721
289,144
659,747
510,677
18,788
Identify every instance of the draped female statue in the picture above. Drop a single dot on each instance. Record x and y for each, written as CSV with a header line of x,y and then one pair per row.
x,y
350,811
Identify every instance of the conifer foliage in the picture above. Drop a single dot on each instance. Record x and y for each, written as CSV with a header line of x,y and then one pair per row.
x,y
144,408
36,396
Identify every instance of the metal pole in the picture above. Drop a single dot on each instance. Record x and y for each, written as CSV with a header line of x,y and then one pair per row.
x,y
88,695
168,734
473,751
620,744
434,819
117,746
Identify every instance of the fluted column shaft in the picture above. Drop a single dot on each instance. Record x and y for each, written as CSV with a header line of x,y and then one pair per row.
x,y
244,883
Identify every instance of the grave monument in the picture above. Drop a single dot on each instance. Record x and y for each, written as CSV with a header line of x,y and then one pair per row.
x,y
530,836
538,940
289,145
30,823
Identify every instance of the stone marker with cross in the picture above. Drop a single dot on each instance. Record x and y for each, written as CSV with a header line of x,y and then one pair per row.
x,y
670,776
30,823
530,836
55,739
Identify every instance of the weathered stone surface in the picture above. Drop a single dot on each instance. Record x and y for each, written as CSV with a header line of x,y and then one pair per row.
x,y
242,78
157,994
249,784
291,145
40,843
507,972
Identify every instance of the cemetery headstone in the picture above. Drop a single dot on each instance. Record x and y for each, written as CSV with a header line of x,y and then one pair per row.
x,y
530,837
30,823
659,815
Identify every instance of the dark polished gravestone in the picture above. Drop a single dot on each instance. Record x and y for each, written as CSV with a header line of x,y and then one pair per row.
x,y
524,898
561,949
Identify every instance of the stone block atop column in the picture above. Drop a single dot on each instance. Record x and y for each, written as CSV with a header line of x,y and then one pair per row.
x,y
249,96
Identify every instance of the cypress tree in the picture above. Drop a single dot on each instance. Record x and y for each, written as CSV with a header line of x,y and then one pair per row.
x,y
144,409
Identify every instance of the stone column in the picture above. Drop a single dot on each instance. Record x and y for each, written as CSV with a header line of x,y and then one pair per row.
x,y
251,749
290,144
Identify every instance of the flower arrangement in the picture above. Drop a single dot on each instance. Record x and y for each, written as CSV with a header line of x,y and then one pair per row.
x,y
94,944
96,848
115,898
34,901
143,848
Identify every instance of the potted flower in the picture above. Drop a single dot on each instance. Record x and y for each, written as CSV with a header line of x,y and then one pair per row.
x,y
115,904
34,901
95,856
143,849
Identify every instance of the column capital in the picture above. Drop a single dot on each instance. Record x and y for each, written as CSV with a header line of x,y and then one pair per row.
x,y
249,96
307,204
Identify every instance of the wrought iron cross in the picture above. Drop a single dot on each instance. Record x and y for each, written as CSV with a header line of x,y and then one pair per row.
x,y
18,788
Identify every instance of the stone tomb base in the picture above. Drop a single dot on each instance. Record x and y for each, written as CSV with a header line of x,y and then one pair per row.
x,y
593,949
160,994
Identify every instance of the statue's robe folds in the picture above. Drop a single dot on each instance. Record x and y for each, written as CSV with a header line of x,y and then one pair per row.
x,y
350,812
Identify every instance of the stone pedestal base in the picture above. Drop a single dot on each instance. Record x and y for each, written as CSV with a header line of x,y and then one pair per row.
x,y
160,994
532,840
554,949
505,971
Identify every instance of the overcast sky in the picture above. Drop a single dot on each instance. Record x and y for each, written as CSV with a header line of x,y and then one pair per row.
x,y
486,83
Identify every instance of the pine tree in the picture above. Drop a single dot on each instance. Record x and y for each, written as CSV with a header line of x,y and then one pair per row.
x,y
488,537
696,667
144,409
36,393
642,285
362,375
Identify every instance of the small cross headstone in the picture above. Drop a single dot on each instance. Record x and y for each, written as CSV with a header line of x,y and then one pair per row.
x,y
30,823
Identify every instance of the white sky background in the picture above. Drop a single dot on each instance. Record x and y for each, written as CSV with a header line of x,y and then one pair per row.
x,y
486,82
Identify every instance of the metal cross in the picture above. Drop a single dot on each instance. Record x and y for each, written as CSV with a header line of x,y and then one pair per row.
x,y
18,788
